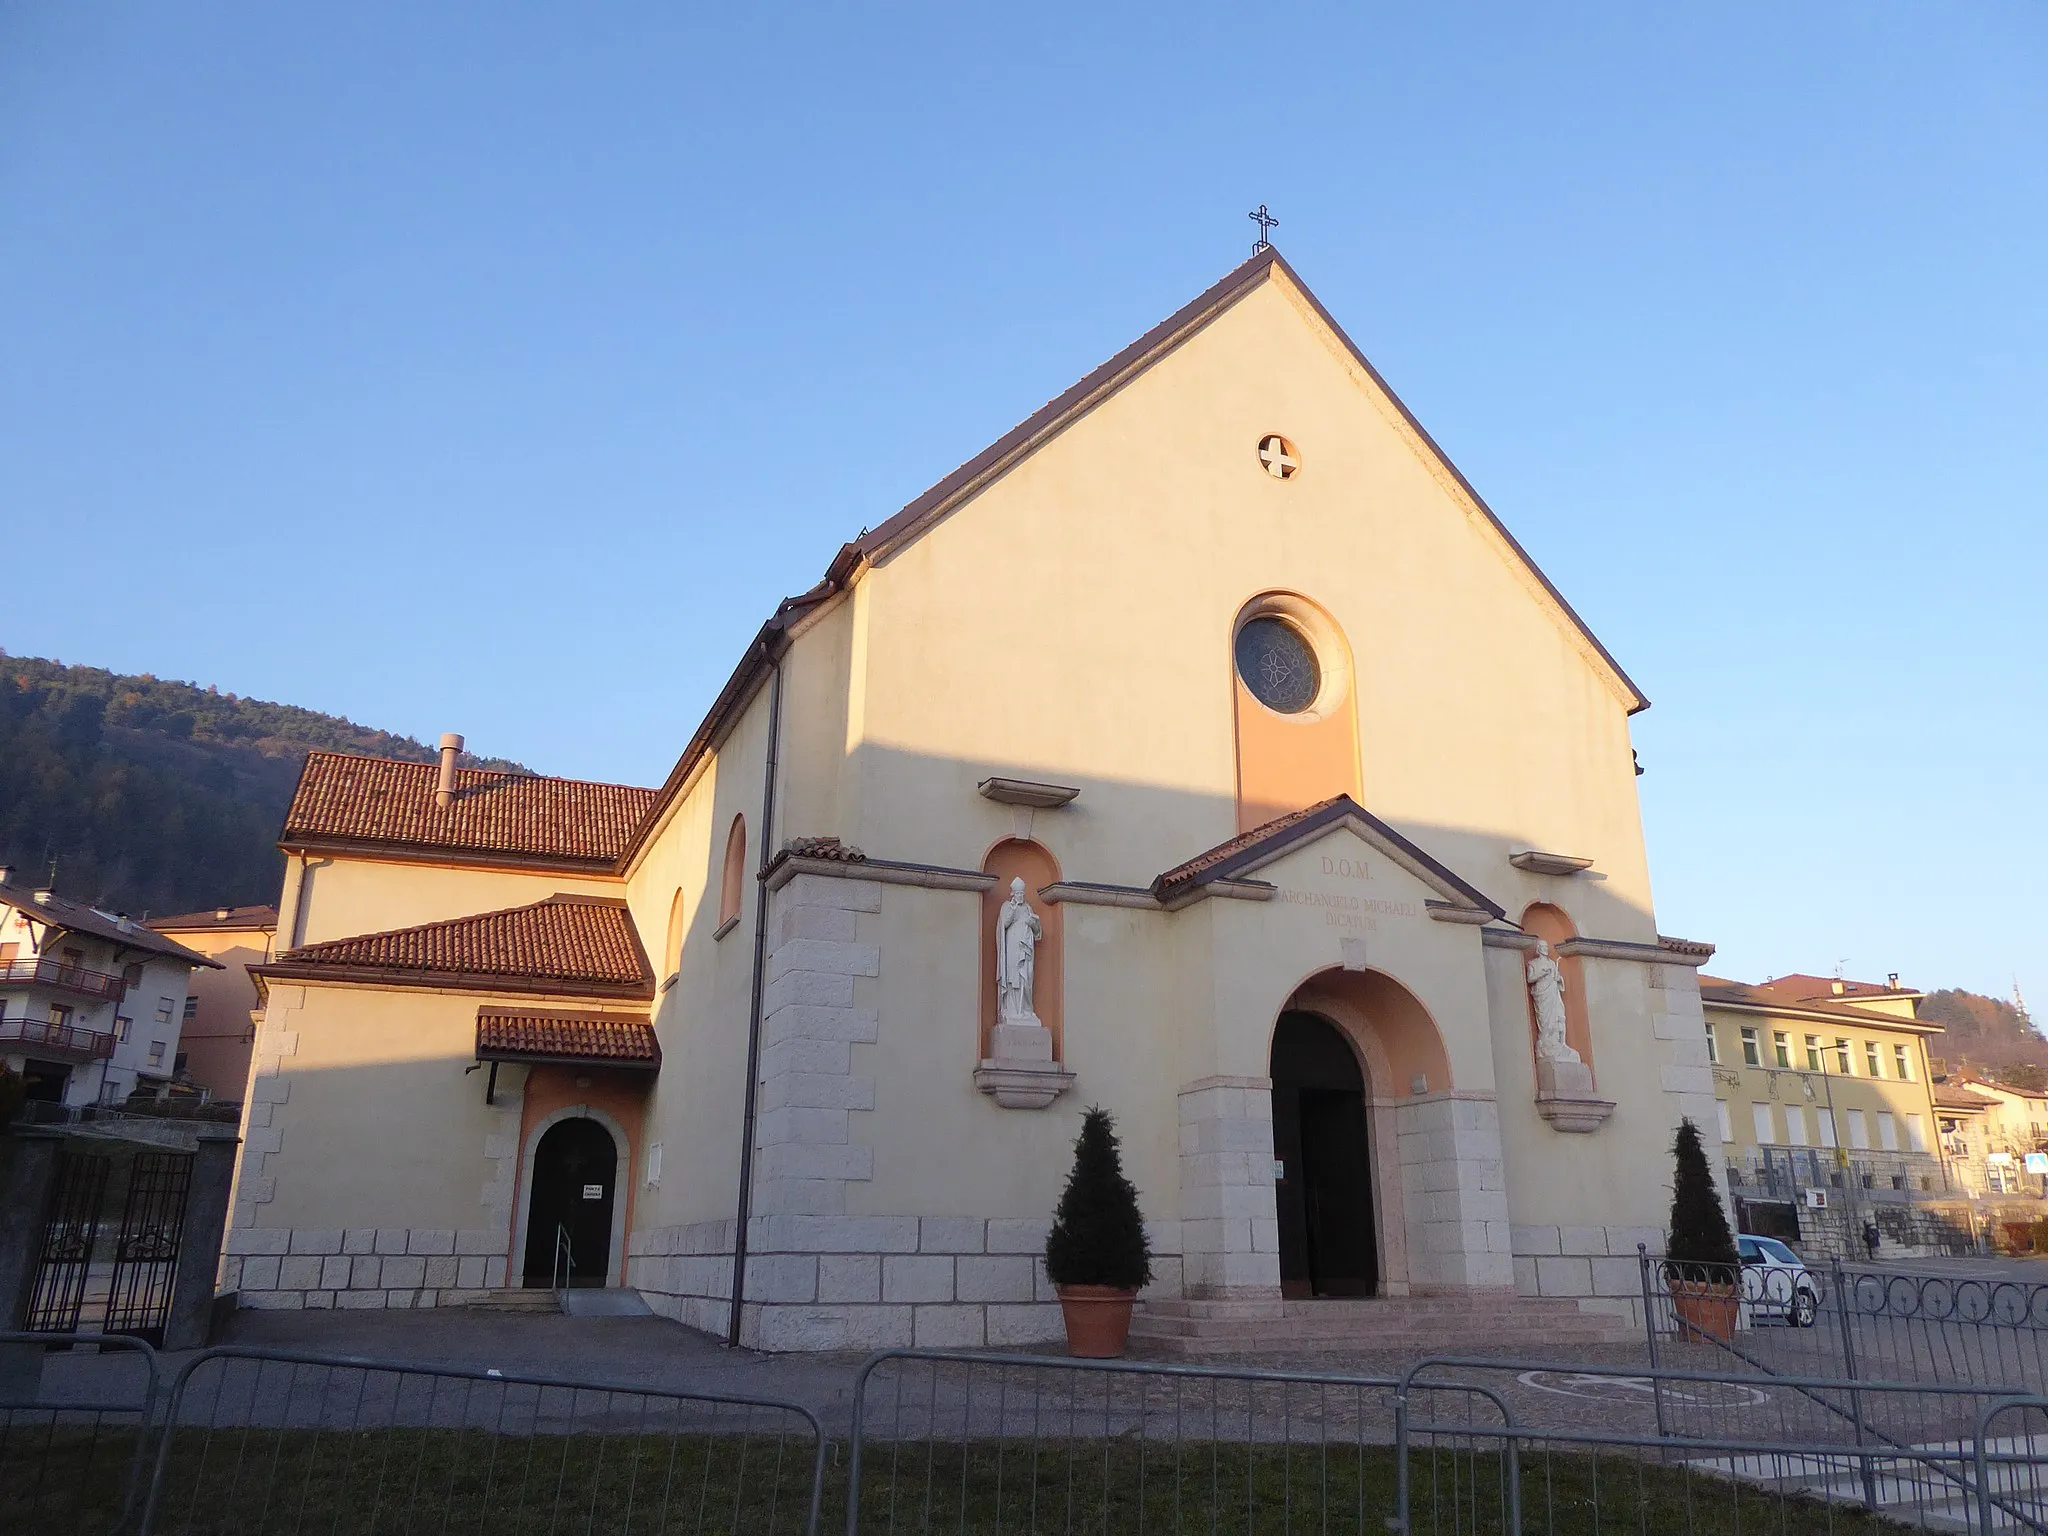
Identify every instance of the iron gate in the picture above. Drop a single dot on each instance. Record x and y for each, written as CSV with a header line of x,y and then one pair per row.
x,y
146,1254
64,1260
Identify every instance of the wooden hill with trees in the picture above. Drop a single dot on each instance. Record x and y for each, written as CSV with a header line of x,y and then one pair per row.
x,y
156,796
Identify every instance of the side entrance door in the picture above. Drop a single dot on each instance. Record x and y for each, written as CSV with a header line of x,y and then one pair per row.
x,y
569,1213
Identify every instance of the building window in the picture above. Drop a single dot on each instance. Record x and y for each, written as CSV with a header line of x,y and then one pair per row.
x,y
1887,1131
163,1010
1278,665
191,1009
1795,1126
131,977
1916,1134
734,878
156,1052
1727,1124
1760,1118
1781,1044
1750,1055
121,1030
1842,1059
1902,1063
1859,1131
1813,1061
60,1015
1872,1061
1713,1051
1826,1119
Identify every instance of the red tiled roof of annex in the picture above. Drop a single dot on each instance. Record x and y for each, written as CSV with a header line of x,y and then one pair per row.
x,y
383,800
1718,989
618,1039
565,939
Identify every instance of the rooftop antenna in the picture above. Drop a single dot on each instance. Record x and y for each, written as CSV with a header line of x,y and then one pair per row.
x,y
1267,224
1840,967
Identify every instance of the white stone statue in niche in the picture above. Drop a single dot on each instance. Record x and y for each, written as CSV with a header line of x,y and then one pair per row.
x,y
1018,931
1546,990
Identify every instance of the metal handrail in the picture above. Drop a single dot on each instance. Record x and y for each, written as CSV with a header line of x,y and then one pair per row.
x,y
565,1259
55,973
90,1043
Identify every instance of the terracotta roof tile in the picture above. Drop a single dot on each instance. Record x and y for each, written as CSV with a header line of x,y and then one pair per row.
x,y
342,798
1824,989
1948,1096
1182,875
563,944
510,1035
1716,989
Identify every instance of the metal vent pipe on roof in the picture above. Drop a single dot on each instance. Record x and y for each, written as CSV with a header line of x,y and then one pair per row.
x,y
444,792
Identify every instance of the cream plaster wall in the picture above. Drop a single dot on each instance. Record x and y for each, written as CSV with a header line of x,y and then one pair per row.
x,y
696,1107
372,1070
341,896
1125,548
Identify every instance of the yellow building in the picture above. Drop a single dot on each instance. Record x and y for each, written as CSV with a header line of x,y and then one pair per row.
x,y
1206,748
2008,1126
1824,1099
219,1033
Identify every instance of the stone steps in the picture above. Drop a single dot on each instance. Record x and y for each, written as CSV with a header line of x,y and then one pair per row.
x,y
1410,1324
528,1299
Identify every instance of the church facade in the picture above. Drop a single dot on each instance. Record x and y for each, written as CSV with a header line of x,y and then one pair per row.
x,y
1205,749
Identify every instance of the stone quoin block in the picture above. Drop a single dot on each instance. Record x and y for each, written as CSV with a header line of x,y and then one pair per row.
x,y
917,1277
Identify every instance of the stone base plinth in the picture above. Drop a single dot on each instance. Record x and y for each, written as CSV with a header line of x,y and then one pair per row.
x,y
1565,1097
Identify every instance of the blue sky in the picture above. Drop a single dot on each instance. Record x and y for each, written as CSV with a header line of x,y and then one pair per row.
x,y
496,368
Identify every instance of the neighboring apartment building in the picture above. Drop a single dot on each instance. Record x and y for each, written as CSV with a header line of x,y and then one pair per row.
x,y
2011,1126
220,1031
1822,1085
91,1002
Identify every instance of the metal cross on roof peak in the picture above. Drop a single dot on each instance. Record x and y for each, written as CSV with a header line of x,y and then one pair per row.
x,y
1267,224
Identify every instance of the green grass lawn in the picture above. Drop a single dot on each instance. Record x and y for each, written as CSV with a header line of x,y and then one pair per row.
x,y
370,1483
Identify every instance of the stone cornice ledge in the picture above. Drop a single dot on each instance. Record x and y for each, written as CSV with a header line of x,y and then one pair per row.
x,y
935,877
1664,952
1090,893
1453,912
1022,1085
1509,938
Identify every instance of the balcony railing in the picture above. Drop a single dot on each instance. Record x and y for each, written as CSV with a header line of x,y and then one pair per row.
x,y
61,1039
65,978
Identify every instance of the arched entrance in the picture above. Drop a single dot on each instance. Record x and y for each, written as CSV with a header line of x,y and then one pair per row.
x,y
1324,1190
575,1171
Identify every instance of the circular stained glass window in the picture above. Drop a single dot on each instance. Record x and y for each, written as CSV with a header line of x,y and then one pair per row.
x,y
1278,665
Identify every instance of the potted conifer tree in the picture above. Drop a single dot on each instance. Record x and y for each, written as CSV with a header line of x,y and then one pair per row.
x,y
1096,1254
1701,1265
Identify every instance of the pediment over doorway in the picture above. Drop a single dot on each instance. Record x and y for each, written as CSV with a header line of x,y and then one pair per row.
x,y
1231,868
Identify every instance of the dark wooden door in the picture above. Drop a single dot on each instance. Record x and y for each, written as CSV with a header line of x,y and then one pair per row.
x,y
574,1169
1343,1258
1323,1190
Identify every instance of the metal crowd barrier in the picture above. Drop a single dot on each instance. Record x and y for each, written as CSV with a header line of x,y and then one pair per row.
x,y
74,1460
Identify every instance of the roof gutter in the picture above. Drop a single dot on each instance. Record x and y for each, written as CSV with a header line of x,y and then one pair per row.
x,y
747,1117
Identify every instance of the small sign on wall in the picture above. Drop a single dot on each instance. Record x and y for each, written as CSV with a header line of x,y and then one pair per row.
x,y
593,1191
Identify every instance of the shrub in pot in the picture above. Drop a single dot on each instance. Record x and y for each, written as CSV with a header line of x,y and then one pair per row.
x,y
1096,1254
1701,1265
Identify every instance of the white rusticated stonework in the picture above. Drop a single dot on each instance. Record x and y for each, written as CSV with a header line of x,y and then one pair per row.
x,y
870,1282
263,1116
1678,1022
1585,1263
804,1150
1229,1226
1453,1193
289,1268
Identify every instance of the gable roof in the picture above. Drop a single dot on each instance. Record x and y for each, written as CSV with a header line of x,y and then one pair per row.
x,y
578,945
1825,989
1251,851
1005,452
230,918
1057,414
1718,991
373,803
77,917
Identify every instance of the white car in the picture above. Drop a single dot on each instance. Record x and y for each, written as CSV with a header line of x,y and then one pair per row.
x,y
1776,1284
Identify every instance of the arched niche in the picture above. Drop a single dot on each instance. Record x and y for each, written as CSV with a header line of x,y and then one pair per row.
x,y
1298,745
672,950
732,882
1018,858
1550,923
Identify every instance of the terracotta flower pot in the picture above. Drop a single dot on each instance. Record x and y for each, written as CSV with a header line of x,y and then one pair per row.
x,y
1098,1320
1705,1310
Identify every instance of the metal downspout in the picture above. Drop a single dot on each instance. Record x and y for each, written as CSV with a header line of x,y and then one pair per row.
x,y
746,1201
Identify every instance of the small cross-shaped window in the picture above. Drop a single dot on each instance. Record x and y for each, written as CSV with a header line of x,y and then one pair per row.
x,y
1278,455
